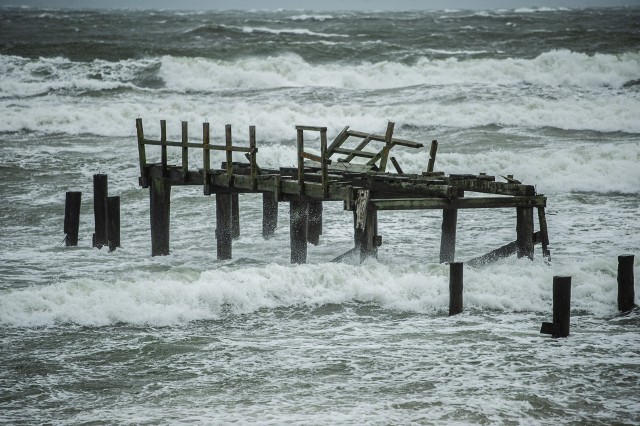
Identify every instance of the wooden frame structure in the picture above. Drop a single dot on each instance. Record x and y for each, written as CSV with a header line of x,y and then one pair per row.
x,y
364,189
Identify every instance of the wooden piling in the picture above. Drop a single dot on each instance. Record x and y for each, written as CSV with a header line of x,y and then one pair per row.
x,y
448,237
626,291
561,308
298,214
455,287
524,232
432,156
314,228
235,216
269,214
100,191
365,219
160,204
113,222
72,217
185,149
224,225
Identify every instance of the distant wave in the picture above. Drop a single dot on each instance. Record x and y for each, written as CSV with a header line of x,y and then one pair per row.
x,y
303,17
297,31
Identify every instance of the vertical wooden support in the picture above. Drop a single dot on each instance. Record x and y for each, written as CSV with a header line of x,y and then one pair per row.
x,y
100,191
323,164
185,150
366,225
626,291
314,228
269,214
544,234
229,152
160,201
396,166
235,216
163,148
562,304
142,156
432,156
300,151
224,225
299,215
113,222
206,157
388,137
524,232
448,237
455,287
252,157
338,141
72,217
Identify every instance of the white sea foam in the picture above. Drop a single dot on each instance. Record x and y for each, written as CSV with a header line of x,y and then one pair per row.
x,y
298,31
305,17
171,298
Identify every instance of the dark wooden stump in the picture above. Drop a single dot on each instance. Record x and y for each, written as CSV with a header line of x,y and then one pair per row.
x,y
561,308
269,214
626,291
314,229
224,225
299,216
448,238
100,191
72,217
113,222
160,200
455,287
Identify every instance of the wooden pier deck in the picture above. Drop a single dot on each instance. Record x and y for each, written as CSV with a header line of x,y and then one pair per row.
x,y
328,174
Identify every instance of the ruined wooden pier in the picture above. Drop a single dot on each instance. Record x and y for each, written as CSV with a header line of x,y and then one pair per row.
x,y
328,174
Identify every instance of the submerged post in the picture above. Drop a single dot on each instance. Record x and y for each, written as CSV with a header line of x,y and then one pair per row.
x,y
235,216
561,308
113,222
269,214
299,215
524,232
224,233
626,291
448,237
100,191
314,229
160,200
455,287
72,218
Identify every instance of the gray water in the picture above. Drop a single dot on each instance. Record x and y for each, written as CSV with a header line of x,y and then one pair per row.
x,y
88,336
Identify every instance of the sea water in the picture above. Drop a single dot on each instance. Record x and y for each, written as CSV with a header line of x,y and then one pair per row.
x,y
551,96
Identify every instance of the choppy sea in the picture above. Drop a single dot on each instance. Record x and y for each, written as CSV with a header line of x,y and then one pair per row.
x,y
87,336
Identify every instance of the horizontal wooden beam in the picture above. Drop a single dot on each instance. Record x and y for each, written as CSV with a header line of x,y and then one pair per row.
x,y
459,203
200,146
355,152
381,138
312,128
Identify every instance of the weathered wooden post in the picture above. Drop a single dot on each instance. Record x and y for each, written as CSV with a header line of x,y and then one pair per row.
x,y
626,291
269,214
432,156
524,232
561,308
113,222
235,216
72,217
314,229
455,287
299,215
160,201
365,218
448,237
100,191
224,232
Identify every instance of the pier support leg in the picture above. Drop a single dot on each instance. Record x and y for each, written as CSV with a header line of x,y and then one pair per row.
x,y
113,222
455,288
299,215
269,214
561,308
160,198
365,218
448,238
72,218
314,229
224,225
626,291
524,231
235,214
100,191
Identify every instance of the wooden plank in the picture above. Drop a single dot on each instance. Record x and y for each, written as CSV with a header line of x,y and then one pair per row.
x,y
461,203
387,147
142,156
338,141
544,235
381,138
499,188
311,157
354,153
359,148
495,255
312,128
396,165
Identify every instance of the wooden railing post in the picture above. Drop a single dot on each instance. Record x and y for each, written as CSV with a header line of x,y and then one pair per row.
x,y
300,150
432,156
323,163
229,152
185,150
163,148
142,156
252,157
206,157
388,145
